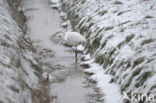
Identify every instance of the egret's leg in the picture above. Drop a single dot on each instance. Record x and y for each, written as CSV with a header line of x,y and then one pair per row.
x,y
76,54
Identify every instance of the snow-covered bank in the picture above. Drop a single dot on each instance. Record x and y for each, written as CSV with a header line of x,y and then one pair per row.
x,y
109,90
122,39
20,66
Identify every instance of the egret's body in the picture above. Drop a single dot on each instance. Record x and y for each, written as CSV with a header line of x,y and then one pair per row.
x,y
74,38
71,38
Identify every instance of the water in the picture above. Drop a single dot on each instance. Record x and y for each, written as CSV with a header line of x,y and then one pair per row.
x,y
43,22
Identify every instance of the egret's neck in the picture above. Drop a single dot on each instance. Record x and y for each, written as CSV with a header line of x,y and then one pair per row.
x,y
61,34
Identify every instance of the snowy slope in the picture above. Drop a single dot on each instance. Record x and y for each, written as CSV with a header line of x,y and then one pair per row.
x,y
20,71
122,39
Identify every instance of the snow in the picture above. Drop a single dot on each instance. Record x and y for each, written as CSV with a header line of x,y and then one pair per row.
x,y
48,76
126,52
110,90
55,4
63,15
86,57
65,24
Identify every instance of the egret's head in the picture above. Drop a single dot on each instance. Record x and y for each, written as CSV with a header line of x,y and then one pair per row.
x,y
59,34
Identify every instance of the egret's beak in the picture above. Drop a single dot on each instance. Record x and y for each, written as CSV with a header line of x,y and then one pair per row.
x,y
53,36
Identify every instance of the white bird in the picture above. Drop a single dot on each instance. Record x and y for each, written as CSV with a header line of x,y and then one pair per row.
x,y
70,38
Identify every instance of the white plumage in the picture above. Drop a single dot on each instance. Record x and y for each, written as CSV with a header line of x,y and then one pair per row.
x,y
74,38
71,38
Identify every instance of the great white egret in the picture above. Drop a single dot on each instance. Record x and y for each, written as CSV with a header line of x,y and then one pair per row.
x,y
70,38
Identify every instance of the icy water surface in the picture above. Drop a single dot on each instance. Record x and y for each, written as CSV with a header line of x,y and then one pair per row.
x,y
73,86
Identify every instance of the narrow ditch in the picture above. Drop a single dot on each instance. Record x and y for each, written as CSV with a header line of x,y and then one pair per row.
x,y
67,81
